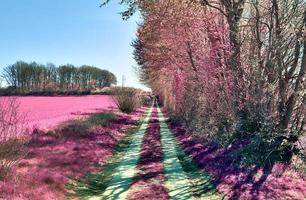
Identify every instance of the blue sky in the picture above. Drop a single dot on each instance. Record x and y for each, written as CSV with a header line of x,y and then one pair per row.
x,y
68,31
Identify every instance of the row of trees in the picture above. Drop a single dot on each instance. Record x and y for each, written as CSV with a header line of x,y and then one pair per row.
x,y
230,70
28,77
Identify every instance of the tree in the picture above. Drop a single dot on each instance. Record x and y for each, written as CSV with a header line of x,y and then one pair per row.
x,y
228,69
34,77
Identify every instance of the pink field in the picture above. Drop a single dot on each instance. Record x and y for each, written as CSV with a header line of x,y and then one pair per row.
x,y
51,162
47,112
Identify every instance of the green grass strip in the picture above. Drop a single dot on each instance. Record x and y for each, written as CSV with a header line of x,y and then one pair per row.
x,y
183,178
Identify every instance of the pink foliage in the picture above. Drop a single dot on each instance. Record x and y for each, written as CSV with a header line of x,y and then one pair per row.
x,y
183,47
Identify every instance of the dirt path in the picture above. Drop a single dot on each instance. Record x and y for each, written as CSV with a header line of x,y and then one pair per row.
x,y
155,167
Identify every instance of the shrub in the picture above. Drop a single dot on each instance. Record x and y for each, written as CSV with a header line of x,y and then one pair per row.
x,y
127,99
10,153
12,134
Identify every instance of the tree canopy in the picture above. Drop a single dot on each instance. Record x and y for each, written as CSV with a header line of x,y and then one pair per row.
x,y
32,76
229,69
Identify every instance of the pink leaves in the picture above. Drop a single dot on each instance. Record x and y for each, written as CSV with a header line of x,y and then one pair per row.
x,y
184,47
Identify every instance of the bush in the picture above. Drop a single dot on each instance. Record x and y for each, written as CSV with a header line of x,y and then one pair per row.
x,y
127,99
267,148
12,134
10,153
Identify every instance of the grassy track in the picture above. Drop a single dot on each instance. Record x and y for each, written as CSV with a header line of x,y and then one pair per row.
x,y
184,179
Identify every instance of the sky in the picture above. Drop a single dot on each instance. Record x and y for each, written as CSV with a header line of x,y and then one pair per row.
x,y
68,31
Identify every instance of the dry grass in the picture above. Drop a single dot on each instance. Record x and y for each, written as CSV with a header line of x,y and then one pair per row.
x,y
12,134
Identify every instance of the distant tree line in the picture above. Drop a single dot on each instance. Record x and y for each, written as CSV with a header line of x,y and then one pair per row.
x,y
33,77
